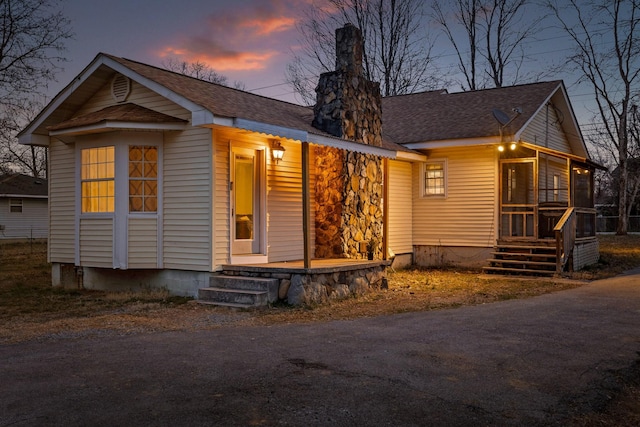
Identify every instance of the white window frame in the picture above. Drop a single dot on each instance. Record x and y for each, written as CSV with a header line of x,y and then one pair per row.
x,y
423,178
121,141
105,179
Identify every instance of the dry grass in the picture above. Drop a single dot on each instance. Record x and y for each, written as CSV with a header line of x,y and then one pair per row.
x,y
31,309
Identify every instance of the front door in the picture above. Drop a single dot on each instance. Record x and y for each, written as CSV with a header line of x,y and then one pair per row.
x,y
246,196
518,198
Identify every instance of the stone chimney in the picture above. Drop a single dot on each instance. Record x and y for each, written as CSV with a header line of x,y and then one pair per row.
x,y
348,191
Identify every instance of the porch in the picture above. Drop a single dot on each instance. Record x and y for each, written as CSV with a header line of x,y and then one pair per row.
x,y
255,285
547,215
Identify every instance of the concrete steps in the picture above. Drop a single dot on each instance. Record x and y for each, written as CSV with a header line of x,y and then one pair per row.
x,y
239,291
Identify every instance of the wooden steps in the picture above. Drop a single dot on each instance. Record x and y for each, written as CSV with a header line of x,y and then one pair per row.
x,y
536,258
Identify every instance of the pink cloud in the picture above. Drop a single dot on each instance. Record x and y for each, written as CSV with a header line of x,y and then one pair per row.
x,y
239,39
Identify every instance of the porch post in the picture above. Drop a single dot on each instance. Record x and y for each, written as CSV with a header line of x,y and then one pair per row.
x,y
306,206
385,209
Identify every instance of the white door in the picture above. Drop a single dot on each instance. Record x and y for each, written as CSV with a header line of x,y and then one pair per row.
x,y
246,215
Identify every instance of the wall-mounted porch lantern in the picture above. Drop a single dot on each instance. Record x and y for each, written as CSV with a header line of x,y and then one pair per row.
x,y
277,151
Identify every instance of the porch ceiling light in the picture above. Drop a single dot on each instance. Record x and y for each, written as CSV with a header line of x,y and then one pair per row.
x,y
513,146
277,151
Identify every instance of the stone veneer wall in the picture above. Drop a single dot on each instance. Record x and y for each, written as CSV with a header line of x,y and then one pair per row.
x,y
321,284
348,191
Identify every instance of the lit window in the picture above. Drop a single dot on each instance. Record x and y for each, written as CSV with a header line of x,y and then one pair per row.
x,y
434,179
97,179
15,205
143,179
556,188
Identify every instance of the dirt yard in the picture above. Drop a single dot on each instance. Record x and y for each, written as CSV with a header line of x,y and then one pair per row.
x,y
30,309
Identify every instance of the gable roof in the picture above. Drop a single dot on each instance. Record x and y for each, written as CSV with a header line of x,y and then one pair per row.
x,y
209,104
421,120
117,116
19,185
410,122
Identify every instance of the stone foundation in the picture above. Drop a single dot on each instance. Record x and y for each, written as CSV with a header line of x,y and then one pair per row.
x,y
319,285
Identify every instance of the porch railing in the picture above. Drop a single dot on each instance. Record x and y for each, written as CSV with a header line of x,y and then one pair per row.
x,y
565,231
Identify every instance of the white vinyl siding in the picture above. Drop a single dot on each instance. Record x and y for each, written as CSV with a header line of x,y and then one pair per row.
x,y
31,222
62,206
221,199
400,207
139,95
183,240
466,217
551,136
187,204
143,242
284,205
96,242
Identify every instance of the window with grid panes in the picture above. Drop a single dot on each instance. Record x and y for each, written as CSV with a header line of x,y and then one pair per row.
x,y
143,178
97,179
434,179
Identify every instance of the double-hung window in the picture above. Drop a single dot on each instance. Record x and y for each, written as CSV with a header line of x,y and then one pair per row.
x,y
97,179
434,178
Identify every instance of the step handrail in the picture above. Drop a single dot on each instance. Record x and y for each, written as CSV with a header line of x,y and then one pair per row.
x,y
565,231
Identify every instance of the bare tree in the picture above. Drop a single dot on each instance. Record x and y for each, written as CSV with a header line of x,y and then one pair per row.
x,y
32,39
199,70
488,38
397,50
606,36
14,156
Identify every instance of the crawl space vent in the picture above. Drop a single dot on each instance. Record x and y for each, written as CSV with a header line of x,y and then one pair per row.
x,y
120,87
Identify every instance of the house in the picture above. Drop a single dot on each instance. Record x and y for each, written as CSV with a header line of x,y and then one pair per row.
x,y
161,180
23,207
496,181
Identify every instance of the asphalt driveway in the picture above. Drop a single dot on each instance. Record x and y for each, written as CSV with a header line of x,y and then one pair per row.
x,y
523,362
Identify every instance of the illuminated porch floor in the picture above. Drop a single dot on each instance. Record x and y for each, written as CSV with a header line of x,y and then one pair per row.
x,y
318,266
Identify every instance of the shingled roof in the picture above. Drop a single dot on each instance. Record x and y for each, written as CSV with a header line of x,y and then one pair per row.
x,y
406,119
224,101
17,184
438,115
128,113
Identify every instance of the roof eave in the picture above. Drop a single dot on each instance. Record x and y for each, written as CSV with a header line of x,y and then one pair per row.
x,y
112,125
23,196
453,143
304,136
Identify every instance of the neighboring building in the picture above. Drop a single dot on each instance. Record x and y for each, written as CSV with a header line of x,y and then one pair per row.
x,y
23,207
159,179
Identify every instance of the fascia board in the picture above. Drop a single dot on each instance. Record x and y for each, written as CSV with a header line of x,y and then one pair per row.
x,y
412,157
116,125
23,196
452,143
